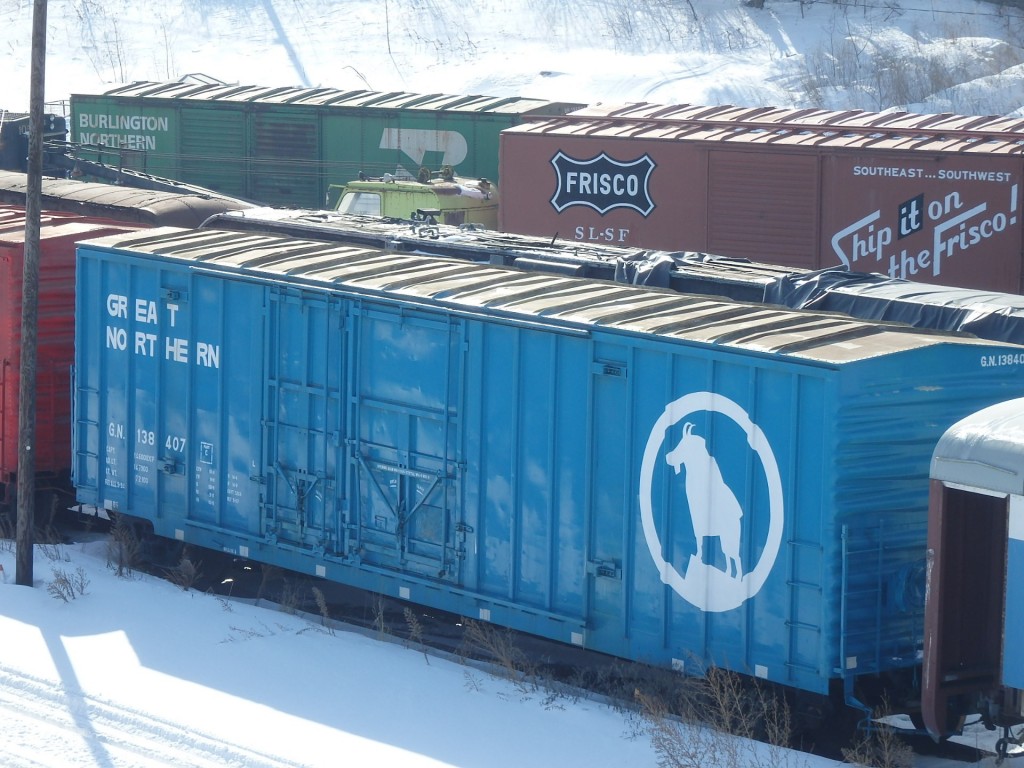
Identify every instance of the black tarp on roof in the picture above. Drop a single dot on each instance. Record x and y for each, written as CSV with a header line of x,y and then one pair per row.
x,y
987,315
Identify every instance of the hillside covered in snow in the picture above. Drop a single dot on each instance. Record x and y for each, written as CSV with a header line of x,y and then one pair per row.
x,y
920,55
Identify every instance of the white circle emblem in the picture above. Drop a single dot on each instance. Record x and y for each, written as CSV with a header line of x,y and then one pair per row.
x,y
705,586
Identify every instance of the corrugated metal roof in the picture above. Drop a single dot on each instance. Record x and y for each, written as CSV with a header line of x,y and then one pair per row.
x,y
331,97
851,129
12,220
52,224
185,209
854,118
823,337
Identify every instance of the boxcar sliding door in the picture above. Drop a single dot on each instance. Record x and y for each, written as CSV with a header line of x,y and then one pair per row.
x,y
303,421
405,458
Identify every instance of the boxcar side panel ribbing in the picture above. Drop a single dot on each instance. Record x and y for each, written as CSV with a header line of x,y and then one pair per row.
x,y
285,146
666,478
285,160
58,233
917,205
215,151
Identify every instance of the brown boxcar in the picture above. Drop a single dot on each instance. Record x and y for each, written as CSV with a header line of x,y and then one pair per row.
x,y
932,198
58,233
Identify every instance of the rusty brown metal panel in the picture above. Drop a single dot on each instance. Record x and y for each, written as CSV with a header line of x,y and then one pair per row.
x,y
763,206
667,212
895,193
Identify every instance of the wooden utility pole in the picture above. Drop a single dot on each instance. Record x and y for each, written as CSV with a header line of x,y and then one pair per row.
x,y
30,303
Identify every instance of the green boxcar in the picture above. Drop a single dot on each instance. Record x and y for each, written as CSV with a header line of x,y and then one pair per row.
x,y
285,146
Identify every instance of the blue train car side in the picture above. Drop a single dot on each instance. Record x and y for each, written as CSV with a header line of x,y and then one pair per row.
x,y
667,478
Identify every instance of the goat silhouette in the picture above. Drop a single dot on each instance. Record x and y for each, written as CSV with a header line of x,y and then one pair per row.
x,y
714,508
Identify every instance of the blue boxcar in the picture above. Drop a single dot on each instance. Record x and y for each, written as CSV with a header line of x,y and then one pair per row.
x,y
662,477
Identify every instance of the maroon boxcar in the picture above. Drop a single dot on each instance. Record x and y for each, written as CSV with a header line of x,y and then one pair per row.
x,y
58,234
932,198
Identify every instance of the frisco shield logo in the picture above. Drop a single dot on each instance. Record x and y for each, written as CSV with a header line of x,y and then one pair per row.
x,y
715,577
603,183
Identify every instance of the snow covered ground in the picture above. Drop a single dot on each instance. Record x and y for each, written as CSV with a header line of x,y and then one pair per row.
x,y
137,673
132,671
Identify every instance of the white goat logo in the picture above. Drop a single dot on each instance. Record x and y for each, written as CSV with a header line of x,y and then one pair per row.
x,y
714,509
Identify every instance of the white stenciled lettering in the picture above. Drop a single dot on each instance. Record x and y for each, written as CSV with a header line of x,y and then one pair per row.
x,y
588,183
955,229
888,171
117,305
860,245
145,344
123,122
176,349
207,355
1007,358
948,245
126,141
910,219
601,235
145,311
117,338
973,175
147,340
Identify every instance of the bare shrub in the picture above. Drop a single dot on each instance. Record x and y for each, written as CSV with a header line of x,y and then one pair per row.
x,y
53,551
862,65
413,625
722,719
498,646
879,745
290,596
321,604
185,573
380,622
124,550
677,744
68,586
60,588
80,581
415,630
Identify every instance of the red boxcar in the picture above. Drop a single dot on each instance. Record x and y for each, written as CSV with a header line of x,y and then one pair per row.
x,y
56,334
932,198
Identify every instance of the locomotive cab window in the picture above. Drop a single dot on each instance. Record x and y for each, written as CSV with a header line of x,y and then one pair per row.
x,y
361,203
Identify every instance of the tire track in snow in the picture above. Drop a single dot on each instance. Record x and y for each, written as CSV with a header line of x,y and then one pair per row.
x,y
84,727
